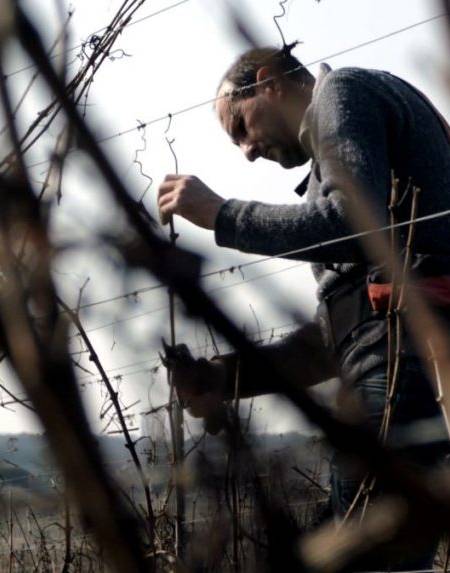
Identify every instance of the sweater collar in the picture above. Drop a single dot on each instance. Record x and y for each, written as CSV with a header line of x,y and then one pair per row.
x,y
305,131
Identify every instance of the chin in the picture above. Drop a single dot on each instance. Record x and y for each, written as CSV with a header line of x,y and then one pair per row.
x,y
289,162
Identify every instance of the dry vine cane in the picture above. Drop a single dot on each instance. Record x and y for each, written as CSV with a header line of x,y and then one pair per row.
x,y
174,409
159,258
82,80
130,444
94,357
394,317
395,310
232,476
41,361
41,367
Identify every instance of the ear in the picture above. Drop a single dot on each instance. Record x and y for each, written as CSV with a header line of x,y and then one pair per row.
x,y
270,84
264,74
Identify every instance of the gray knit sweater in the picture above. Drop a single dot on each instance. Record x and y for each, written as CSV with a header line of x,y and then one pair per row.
x,y
371,124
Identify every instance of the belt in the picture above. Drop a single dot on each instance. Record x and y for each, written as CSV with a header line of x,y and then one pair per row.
x,y
351,305
339,313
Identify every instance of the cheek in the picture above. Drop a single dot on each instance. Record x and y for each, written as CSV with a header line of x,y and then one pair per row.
x,y
263,129
270,127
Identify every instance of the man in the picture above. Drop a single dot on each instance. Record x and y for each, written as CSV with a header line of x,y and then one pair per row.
x,y
367,125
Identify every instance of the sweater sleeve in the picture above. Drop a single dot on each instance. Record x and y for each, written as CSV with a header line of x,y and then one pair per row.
x,y
302,352
351,120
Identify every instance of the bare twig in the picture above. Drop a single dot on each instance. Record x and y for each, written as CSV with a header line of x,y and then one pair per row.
x,y
114,397
16,400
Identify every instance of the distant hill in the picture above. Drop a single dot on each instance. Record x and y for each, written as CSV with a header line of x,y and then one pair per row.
x,y
26,461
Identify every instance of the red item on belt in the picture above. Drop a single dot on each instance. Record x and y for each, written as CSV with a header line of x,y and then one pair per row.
x,y
379,295
436,289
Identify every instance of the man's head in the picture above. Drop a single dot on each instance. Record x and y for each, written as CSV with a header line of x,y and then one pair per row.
x,y
265,95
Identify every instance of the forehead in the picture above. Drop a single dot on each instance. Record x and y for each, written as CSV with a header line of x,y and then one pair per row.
x,y
227,112
227,109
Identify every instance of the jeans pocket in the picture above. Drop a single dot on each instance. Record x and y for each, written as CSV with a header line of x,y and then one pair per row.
x,y
369,333
372,394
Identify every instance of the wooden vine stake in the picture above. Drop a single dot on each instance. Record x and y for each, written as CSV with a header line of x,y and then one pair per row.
x,y
175,410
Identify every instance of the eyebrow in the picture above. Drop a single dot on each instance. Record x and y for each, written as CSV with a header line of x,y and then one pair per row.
x,y
233,130
235,126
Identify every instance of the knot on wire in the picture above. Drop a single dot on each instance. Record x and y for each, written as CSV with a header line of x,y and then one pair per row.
x,y
94,41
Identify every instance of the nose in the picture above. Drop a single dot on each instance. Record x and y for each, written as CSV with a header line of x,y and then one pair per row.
x,y
250,151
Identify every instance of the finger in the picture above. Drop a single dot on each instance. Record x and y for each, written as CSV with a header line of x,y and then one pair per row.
x,y
166,187
167,198
166,211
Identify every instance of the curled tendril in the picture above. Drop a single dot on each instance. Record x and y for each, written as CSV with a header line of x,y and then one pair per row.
x,y
142,128
120,55
171,141
278,16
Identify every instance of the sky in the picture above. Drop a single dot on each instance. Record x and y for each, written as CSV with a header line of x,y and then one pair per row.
x,y
175,59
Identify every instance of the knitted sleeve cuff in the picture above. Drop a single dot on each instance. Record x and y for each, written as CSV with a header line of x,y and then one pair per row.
x,y
226,230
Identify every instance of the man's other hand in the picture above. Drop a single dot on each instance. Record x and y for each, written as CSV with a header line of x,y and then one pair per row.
x,y
187,196
199,382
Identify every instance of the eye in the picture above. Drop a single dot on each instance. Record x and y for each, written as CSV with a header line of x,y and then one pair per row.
x,y
239,131
241,127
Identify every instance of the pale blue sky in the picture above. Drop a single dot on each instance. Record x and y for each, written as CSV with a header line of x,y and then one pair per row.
x,y
177,59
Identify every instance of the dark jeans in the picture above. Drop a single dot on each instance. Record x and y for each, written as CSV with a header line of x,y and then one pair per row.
x,y
417,430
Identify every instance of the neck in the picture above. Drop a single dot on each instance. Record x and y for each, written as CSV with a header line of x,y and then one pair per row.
x,y
296,103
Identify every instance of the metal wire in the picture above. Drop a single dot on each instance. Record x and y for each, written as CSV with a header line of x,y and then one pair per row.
x,y
233,268
212,100
297,68
203,347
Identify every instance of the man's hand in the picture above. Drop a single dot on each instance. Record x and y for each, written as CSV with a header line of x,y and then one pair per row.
x,y
187,196
199,382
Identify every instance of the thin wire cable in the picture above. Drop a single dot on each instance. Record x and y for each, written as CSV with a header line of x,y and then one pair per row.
x,y
149,368
77,47
155,358
353,236
135,293
166,306
293,70
213,100
240,267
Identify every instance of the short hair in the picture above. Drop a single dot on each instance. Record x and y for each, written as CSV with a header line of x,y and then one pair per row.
x,y
242,73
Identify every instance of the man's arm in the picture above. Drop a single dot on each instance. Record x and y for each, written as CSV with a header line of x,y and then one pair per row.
x,y
353,121
203,385
301,354
356,124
